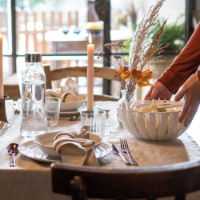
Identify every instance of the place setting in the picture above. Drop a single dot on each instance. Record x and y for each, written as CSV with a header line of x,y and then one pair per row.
x,y
83,147
70,100
69,147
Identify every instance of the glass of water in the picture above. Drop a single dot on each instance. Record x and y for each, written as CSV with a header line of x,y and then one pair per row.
x,y
52,107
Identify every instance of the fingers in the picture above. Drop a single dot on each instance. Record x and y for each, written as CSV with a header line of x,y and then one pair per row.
x,y
189,109
148,95
185,110
181,93
158,91
186,86
190,115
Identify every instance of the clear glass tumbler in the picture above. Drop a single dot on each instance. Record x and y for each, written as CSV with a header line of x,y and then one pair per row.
x,y
52,108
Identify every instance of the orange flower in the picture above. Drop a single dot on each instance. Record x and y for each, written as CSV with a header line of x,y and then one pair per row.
x,y
120,70
146,76
123,74
142,78
136,75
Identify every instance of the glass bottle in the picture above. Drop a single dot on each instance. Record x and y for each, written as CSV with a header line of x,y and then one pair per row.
x,y
34,120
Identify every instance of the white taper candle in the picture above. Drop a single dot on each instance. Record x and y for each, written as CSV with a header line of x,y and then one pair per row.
x,y
90,75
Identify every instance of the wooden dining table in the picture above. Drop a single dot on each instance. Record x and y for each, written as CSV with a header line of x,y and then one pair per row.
x,y
31,179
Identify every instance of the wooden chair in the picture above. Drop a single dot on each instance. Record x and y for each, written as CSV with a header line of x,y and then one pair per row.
x,y
12,91
11,87
149,183
99,72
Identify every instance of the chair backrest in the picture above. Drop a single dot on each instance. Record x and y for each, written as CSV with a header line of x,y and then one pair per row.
x,y
99,72
149,183
12,91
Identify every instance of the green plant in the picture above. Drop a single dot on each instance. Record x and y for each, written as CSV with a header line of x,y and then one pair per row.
x,y
173,38
21,3
31,3
34,3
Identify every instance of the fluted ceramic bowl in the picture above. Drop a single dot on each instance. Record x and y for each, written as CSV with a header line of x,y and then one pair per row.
x,y
152,120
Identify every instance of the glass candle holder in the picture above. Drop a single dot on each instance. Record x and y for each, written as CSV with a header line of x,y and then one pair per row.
x,y
95,120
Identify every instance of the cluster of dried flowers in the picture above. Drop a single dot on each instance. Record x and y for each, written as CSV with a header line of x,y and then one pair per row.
x,y
142,78
144,46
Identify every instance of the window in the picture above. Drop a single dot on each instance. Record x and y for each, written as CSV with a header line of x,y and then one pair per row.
x,y
59,29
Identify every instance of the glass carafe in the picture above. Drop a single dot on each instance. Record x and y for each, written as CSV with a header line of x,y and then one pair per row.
x,y
34,120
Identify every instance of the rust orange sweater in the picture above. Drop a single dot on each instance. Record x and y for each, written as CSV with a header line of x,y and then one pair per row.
x,y
185,64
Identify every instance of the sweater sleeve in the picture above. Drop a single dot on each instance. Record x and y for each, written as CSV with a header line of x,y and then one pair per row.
x,y
185,64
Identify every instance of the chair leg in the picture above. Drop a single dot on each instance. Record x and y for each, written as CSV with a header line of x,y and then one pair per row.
x,y
78,189
180,197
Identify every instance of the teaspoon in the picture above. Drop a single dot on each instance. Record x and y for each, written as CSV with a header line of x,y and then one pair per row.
x,y
13,151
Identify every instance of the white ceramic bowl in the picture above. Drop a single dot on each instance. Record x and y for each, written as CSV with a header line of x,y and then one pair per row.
x,y
69,106
151,125
45,142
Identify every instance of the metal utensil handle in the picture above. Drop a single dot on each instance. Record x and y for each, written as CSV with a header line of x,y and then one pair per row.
x,y
123,157
118,151
132,161
12,160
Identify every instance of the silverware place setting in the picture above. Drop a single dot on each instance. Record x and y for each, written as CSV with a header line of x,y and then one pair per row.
x,y
124,152
118,151
125,149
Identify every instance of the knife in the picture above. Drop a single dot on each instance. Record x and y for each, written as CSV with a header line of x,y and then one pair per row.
x,y
118,151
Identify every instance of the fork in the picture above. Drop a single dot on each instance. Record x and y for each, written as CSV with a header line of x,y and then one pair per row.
x,y
125,149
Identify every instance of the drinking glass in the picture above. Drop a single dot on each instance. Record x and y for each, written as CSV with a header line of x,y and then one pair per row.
x,y
52,107
95,120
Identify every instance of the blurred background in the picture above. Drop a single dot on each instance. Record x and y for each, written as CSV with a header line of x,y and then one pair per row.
x,y
59,29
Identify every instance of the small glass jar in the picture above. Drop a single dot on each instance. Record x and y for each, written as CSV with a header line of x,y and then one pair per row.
x,y
126,96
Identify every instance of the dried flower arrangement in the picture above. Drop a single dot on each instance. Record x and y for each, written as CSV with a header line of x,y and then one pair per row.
x,y
144,46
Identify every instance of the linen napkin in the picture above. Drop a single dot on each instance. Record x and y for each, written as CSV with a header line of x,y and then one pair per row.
x,y
76,148
69,85
68,91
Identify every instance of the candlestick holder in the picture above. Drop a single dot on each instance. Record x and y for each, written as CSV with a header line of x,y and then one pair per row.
x,y
3,116
95,120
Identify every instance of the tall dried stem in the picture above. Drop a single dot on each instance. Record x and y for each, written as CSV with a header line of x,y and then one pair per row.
x,y
141,42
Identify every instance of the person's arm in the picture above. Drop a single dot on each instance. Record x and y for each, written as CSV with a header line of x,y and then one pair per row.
x,y
191,91
184,65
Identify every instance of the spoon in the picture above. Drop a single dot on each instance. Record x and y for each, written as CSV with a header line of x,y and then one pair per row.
x,y
13,151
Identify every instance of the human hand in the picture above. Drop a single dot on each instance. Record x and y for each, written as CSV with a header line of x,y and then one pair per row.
x,y
158,91
191,90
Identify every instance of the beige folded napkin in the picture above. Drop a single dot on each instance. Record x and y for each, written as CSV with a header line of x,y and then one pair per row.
x,y
69,85
76,148
66,97
68,91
